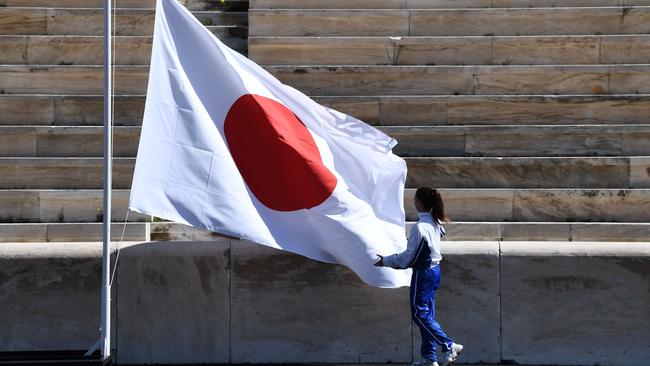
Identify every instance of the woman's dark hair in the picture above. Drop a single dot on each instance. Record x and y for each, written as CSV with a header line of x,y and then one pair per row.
x,y
432,202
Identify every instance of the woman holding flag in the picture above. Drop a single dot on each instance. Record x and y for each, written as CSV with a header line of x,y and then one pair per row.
x,y
423,255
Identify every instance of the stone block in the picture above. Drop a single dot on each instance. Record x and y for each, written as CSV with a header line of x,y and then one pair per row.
x,y
640,172
19,206
377,80
611,231
403,111
88,110
62,173
18,21
265,22
575,303
19,233
524,172
50,296
560,50
83,206
569,80
13,49
515,21
548,109
443,51
477,231
26,110
620,205
74,80
173,303
18,141
536,231
77,232
332,4
366,109
331,51
468,299
312,312
548,140
428,141
625,49
630,79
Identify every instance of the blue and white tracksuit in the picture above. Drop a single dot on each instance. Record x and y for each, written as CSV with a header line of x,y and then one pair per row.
x,y
423,255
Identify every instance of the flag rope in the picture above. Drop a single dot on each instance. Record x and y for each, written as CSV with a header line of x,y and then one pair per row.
x,y
119,246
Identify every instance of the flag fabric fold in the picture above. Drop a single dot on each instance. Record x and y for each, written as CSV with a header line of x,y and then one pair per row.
x,y
227,147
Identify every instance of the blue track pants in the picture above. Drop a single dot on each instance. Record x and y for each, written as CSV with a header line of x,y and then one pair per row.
x,y
424,283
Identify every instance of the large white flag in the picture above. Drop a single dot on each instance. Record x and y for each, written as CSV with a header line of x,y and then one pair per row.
x,y
227,147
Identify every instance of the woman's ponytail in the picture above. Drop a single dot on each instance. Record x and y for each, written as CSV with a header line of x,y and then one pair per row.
x,y
432,201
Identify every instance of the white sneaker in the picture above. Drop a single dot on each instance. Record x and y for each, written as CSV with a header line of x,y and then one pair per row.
x,y
451,355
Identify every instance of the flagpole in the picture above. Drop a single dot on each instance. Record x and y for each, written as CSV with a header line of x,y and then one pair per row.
x,y
104,342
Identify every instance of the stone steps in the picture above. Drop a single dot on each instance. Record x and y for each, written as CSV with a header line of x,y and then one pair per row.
x,y
147,4
89,50
89,21
467,140
431,4
450,22
68,110
443,172
508,205
458,50
361,80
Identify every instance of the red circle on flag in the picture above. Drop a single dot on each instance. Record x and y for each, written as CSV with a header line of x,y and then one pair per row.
x,y
276,155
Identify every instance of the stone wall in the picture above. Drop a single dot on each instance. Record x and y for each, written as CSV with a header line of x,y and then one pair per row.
x,y
232,301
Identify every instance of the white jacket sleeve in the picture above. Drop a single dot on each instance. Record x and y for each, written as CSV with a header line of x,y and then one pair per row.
x,y
404,259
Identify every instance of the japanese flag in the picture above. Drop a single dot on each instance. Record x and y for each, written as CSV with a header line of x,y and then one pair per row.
x,y
227,147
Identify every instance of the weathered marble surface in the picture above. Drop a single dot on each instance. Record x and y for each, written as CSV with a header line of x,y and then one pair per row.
x,y
328,22
299,310
486,80
73,80
522,172
575,303
582,205
173,302
62,173
50,296
528,21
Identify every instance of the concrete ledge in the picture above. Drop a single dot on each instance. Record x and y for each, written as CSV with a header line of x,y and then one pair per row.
x,y
223,301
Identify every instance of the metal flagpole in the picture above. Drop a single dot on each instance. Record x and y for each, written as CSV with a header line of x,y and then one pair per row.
x,y
104,342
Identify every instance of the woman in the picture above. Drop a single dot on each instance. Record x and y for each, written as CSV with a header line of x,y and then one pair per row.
x,y
423,255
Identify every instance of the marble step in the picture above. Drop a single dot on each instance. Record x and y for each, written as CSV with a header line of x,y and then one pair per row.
x,y
466,80
146,4
89,50
88,21
457,230
459,50
72,232
63,206
518,205
68,110
361,80
450,22
444,172
431,4
594,140
468,230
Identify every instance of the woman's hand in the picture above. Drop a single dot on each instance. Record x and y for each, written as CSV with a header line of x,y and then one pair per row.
x,y
380,262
